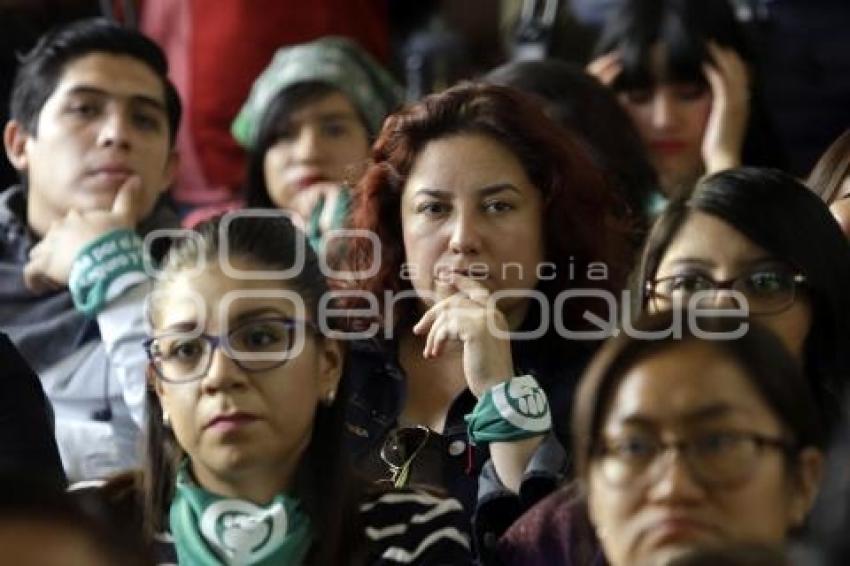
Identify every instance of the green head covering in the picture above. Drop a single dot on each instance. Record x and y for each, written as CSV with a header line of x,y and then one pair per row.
x,y
336,61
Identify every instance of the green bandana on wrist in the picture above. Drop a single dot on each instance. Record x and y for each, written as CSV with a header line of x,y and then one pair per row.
x,y
210,530
513,410
104,268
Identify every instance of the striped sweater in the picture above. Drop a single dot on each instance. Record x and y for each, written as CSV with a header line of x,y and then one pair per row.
x,y
400,527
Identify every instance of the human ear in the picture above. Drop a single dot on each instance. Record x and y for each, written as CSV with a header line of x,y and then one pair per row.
x,y
810,464
154,382
330,366
15,139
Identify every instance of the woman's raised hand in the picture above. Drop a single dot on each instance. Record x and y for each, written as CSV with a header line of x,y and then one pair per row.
x,y
606,68
466,315
729,80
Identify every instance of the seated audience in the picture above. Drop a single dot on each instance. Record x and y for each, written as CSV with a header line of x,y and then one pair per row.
x,y
760,235
830,179
245,462
308,124
686,75
93,121
487,217
697,435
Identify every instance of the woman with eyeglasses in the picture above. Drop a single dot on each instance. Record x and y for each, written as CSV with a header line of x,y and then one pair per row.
x,y
487,214
758,240
683,442
244,461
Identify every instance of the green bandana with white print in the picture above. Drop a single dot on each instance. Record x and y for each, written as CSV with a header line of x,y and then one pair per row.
x,y
210,530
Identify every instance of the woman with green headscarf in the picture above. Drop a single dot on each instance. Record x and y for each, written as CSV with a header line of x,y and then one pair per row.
x,y
308,125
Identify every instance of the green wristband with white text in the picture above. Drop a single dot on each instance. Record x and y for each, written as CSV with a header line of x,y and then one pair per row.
x,y
513,410
104,268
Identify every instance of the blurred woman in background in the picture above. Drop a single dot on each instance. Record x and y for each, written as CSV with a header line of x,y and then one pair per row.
x,y
685,74
579,103
308,125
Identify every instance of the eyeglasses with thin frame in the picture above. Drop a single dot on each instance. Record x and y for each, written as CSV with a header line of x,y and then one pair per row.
x,y
400,449
767,291
720,459
255,346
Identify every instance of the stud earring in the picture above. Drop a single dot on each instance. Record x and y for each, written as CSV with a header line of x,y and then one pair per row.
x,y
330,397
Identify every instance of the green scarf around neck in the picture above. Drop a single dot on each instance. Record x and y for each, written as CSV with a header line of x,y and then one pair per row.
x,y
210,530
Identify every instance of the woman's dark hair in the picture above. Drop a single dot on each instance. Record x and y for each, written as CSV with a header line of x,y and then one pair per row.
x,y
273,125
324,481
33,499
582,105
832,169
684,27
781,215
768,366
580,223
41,68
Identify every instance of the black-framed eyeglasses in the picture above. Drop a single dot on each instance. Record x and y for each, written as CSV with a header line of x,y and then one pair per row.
x,y
767,291
721,459
400,449
257,345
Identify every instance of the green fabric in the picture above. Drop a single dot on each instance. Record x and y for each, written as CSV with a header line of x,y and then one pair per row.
x,y
210,530
340,213
113,260
510,411
655,204
336,61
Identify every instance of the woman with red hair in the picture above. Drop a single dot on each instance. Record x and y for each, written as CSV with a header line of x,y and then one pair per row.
x,y
499,242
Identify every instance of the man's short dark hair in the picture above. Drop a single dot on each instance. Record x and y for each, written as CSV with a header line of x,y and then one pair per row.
x,y
41,68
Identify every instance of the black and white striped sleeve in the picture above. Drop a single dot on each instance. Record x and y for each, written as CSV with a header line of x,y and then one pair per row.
x,y
414,527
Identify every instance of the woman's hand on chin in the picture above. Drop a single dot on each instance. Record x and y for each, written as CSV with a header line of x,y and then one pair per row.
x,y
469,318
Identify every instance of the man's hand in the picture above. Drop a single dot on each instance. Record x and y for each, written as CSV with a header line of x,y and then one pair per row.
x,y
50,260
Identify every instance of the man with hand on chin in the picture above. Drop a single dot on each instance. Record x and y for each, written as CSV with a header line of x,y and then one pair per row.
x,y
92,129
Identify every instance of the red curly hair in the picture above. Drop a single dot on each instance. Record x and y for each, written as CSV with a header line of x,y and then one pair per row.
x,y
583,219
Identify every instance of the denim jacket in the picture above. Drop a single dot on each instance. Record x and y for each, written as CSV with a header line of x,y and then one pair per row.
x,y
377,389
